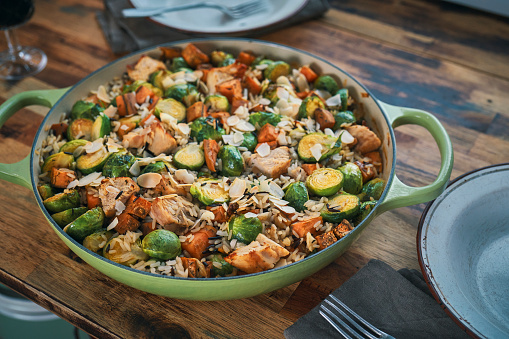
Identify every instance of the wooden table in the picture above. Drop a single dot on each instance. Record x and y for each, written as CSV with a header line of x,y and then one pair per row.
x,y
443,58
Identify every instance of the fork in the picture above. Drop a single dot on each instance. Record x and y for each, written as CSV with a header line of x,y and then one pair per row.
x,y
238,11
340,317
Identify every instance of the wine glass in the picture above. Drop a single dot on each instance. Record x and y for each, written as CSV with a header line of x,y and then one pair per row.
x,y
18,61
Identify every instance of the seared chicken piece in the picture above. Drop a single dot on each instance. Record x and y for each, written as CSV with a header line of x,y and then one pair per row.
x,y
280,250
367,140
159,140
216,76
195,268
133,140
273,165
144,67
116,189
173,210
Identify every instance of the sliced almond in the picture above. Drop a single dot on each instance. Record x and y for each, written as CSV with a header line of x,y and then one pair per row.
x,y
149,180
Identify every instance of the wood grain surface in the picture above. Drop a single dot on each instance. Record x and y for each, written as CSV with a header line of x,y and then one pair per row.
x,y
446,59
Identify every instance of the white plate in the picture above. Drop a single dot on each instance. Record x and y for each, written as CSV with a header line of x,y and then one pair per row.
x,y
208,20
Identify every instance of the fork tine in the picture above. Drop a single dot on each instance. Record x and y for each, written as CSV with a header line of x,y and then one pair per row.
x,y
339,329
246,8
355,315
351,321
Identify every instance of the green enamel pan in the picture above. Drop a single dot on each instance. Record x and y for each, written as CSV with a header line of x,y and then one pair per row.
x,y
381,117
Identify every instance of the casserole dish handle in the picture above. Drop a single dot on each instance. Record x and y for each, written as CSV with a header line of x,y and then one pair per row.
x,y
19,172
401,195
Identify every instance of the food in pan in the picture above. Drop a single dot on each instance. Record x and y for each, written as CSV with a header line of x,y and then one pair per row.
x,y
197,165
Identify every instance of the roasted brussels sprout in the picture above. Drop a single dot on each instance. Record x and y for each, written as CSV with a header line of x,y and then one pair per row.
x,y
85,110
114,251
353,178
158,78
63,201
217,103
132,87
157,167
326,83
308,106
94,241
343,95
67,216
57,160
372,189
245,229
161,244
172,107
227,62
92,162
177,63
135,119
71,146
101,127
45,191
206,128
343,117
276,69
297,195
365,209
185,93
325,181
209,192
308,150
219,266
80,129
217,57
190,157
232,161
118,165
259,119
86,224
341,206
250,141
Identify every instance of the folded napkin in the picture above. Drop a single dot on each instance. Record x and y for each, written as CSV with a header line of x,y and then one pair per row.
x,y
397,302
131,34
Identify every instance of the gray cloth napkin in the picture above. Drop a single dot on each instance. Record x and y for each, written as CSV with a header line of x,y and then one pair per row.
x,y
397,302
131,34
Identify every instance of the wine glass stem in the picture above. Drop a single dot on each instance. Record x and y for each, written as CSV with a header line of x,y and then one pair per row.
x,y
12,43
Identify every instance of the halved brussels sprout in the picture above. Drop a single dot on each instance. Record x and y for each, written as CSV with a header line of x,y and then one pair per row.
x,y
72,145
157,78
343,95
206,128
177,63
57,160
118,164
372,189
250,141
343,117
101,127
85,110
45,191
86,224
325,181
121,254
217,57
135,119
297,195
172,107
275,70
209,192
308,151
190,157
308,107
365,209
341,206
232,161
245,229
80,129
219,266
161,244
67,216
326,83
227,62
157,167
92,162
94,241
63,201
217,103
259,119
185,93
353,178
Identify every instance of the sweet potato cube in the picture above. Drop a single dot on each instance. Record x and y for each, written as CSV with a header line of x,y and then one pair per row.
x,y
211,149
267,134
195,111
310,168
61,177
138,207
306,226
230,89
126,222
194,56
199,242
326,239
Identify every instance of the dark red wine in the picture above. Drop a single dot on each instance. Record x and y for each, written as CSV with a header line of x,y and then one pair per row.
x,y
15,12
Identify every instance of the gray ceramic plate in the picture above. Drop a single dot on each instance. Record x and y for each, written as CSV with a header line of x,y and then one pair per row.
x,y
463,245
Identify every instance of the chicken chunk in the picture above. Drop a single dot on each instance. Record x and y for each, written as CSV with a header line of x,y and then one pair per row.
x,y
133,140
195,268
144,67
257,257
367,141
159,140
116,189
215,77
173,210
273,165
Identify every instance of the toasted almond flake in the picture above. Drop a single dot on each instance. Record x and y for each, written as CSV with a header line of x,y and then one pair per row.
x,y
245,126
102,94
237,188
250,215
262,66
264,101
112,189
227,138
119,206
110,111
78,151
281,139
329,132
124,127
92,147
232,120
149,180
73,184
287,209
346,137
207,215
263,150
180,82
89,178
275,190
334,100
112,225
238,138
282,93
167,82
183,176
190,77
135,168
302,83
184,128
316,151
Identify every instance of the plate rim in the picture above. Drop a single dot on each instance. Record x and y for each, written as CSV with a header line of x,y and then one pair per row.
x,y
243,31
444,304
